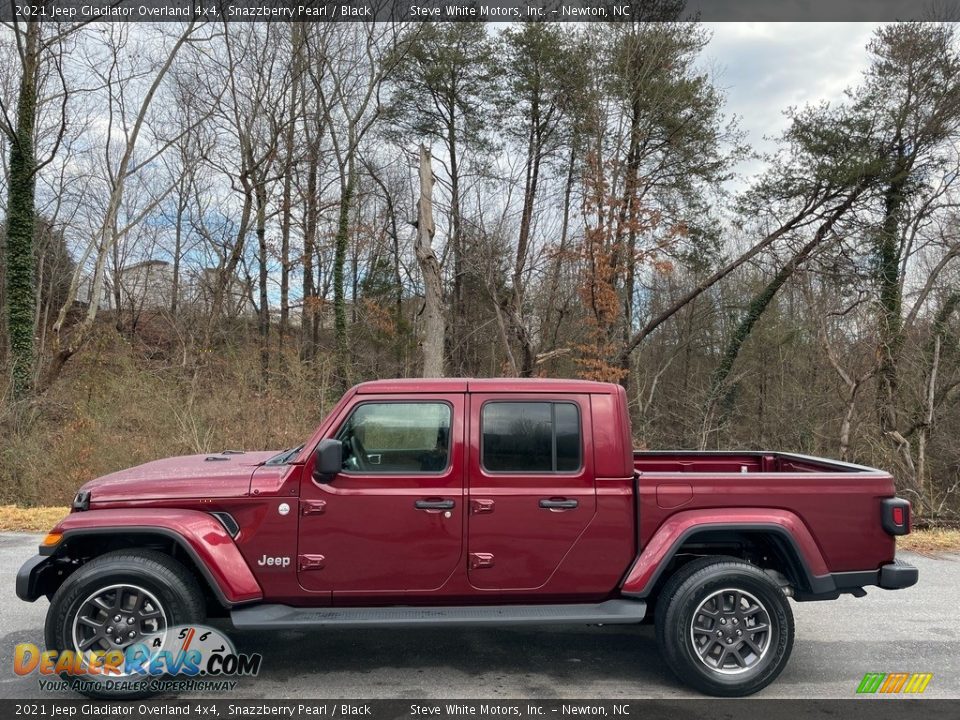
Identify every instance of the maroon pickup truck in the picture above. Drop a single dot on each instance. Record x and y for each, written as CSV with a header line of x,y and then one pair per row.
x,y
477,502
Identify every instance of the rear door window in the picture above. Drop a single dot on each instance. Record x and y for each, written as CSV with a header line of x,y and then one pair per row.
x,y
531,437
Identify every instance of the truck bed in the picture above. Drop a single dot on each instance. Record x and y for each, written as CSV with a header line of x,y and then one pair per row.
x,y
839,502
688,461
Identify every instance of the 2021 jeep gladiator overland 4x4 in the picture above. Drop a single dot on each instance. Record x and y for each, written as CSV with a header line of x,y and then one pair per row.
x,y
477,502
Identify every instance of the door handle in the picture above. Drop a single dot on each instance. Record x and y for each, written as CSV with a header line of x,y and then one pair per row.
x,y
313,507
434,504
483,505
311,562
558,504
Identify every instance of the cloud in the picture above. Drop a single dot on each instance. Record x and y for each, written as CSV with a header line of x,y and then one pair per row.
x,y
765,68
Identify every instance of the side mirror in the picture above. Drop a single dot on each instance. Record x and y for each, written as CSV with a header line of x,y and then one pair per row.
x,y
328,460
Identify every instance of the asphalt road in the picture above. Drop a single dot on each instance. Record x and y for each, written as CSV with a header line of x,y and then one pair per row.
x,y
914,630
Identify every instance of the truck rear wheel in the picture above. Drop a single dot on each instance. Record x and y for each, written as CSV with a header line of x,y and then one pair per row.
x,y
724,626
115,601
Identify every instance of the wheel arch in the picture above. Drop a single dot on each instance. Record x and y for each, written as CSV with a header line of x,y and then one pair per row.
x,y
79,547
779,542
196,539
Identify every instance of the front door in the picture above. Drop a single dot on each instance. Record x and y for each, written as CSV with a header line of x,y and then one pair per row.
x,y
531,489
392,520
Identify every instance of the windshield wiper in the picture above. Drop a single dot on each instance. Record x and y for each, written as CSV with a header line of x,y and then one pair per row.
x,y
285,457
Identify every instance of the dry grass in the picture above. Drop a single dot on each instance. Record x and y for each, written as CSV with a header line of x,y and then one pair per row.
x,y
930,542
116,406
38,519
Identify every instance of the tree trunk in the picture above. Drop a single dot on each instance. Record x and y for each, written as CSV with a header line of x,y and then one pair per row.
x,y
307,324
117,296
263,320
890,320
629,215
21,220
433,322
339,262
515,315
285,237
457,354
177,251
296,62
560,257
397,277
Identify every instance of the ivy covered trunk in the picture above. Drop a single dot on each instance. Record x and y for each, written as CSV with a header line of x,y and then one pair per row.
x,y
21,220
890,299
720,393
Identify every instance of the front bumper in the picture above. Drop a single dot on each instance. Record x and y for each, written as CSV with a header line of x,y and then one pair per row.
x,y
31,576
898,575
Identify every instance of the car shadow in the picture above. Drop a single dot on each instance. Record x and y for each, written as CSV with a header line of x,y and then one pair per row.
x,y
625,657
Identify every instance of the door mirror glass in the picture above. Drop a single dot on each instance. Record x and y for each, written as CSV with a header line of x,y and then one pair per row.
x,y
328,460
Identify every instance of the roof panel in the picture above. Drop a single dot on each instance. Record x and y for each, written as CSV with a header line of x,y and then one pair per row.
x,y
413,385
489,385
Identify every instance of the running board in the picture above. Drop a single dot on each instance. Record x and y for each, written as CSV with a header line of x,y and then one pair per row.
x,y
611,612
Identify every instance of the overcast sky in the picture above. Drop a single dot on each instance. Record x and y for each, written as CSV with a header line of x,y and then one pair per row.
x,y
764,68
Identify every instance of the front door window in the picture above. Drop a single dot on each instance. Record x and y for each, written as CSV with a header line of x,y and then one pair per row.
x,y
396,438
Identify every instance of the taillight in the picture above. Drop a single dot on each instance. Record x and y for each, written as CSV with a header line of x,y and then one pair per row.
x,y
895,516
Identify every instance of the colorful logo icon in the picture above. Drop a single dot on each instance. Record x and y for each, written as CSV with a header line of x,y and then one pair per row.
x,y
892,683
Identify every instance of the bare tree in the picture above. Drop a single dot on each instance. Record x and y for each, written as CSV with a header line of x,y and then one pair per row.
x,y
433,323
110,230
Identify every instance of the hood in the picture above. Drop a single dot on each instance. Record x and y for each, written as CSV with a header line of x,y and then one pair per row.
x,y
209,475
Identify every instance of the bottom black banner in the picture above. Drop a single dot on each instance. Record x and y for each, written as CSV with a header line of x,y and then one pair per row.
x,y
873,708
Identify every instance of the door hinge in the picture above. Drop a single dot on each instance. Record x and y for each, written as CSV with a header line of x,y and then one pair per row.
x,y
481,506
313,507
481,560
311,562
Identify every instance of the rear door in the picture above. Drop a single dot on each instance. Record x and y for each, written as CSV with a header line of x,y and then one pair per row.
x,y
392,520
531,486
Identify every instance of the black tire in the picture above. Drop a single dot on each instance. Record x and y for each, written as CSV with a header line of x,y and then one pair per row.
x,y
690,609
173,586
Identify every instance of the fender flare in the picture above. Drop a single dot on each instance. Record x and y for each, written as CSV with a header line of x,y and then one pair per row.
x,y
200,535
784,525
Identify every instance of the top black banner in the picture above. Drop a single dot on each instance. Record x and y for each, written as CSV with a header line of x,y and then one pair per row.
x,y
478,10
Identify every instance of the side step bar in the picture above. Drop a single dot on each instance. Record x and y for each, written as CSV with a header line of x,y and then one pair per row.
x,y
285,617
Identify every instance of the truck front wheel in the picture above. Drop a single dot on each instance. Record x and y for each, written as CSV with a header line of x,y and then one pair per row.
x,y
724,626
114,602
